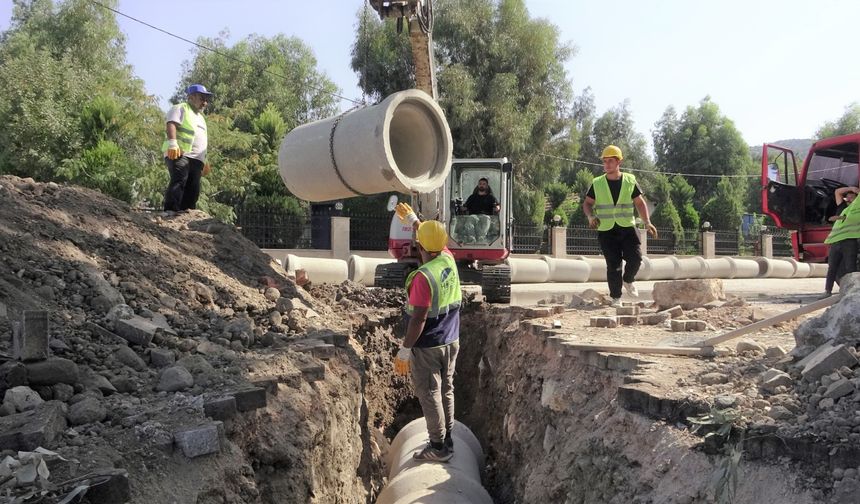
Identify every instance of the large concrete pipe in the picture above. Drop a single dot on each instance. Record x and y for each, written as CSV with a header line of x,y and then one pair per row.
x,y
402,144
644,272
458,480
363,269
818,270
692,267
719,267
774,268
528,270
567,270
664,268
598,268
801,270
318,270
743,268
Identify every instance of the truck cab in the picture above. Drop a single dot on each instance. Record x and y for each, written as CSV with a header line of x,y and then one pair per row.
x,y
802,198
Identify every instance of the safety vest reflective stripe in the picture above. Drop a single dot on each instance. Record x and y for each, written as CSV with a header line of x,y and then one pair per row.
x,y
442,300
184,131
611,213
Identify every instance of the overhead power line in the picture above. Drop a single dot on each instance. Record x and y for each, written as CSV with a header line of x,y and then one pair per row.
x,y
703,175
216,51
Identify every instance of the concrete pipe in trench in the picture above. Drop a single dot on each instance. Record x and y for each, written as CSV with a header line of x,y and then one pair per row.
x,y
458,480
318,270
402,144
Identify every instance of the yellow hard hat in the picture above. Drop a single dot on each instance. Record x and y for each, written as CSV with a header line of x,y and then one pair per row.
x,y
612,151
432,236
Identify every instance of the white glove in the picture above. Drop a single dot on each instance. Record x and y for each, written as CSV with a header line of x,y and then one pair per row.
x,y
404,354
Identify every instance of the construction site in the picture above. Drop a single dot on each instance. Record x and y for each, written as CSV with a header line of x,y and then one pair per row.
x,y
167,359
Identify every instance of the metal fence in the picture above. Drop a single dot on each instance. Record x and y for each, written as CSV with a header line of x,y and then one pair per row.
x,y
727,241
687,242
369,231
781,242
275,228
582,240
530,239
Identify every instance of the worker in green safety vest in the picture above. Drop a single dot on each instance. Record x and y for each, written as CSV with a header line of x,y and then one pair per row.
x,y
842,257
184,149
609,206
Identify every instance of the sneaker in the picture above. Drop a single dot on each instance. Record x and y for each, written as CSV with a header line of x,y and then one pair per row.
x,y
631,289
449,443
616,303
431,454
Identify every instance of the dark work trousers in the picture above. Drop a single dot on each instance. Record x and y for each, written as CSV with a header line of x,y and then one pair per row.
x,y
841,260
617,244
184,187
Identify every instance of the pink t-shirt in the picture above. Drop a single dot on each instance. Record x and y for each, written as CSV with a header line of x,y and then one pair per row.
x,y
419,290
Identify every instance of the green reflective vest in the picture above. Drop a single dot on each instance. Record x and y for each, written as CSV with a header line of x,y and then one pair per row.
x,y
847,228
441,274
184,131
610,212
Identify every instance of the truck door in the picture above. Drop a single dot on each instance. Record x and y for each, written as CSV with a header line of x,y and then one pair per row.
x,y
781,197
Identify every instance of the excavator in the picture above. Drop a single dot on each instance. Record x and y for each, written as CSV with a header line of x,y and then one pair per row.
x,y
480,243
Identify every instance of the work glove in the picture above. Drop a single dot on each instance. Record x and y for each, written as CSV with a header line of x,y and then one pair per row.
x,y
403,361
207,169
651,229
173,150
406,214
593,222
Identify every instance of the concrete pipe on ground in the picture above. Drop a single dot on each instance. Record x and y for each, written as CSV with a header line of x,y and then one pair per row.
x,y
801,269
664,268
402,144
818,270
598,268
318,270
692,267
567,270
720,267
644,272
363,269
458,480
744,268
774,268
528,270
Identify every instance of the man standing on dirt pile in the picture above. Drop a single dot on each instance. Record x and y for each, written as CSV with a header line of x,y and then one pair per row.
x,y
842,257
432,336
184,149
609,207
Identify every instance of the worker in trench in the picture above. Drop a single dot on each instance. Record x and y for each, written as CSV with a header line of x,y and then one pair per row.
x,y
842,256
429,349
609,207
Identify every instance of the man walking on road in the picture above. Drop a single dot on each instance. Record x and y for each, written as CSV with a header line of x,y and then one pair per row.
x,y
432,336
184,150
609,207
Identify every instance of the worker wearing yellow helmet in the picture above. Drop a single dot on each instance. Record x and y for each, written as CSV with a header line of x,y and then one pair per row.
x,y
609,206
431,344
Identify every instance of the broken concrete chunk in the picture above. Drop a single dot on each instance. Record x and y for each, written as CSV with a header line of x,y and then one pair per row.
x,y
129,357
673,312
137,330
774,352
199,441
773,378
22,398
162,358
827,361
174,379
839,389
52,371
31,429
713,378
748,345
30,336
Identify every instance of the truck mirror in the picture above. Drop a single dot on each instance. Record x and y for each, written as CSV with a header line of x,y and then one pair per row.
x,y
392,203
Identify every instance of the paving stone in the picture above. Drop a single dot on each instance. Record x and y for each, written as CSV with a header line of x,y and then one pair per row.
x,y
52,371
678,325
827,361
250,399
31,429
30,336
223,408
324,351
839,389
313,372
675,311
161,358
269,384
137,330
627,310
627,320
604,322
538,312
654,318
199,441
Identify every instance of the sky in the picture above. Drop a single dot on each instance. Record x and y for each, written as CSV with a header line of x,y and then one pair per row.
x,y
777,69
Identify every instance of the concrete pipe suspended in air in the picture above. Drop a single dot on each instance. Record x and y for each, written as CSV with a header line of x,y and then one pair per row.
x,y
458,480
402,144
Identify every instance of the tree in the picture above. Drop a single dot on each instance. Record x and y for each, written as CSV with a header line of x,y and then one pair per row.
x,y
701,142
724,209
848,123
616,127
682,196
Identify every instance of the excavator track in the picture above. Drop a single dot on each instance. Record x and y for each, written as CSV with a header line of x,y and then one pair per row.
x,y
392,275
496,283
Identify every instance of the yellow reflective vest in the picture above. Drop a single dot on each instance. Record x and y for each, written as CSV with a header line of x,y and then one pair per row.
x,y
611,212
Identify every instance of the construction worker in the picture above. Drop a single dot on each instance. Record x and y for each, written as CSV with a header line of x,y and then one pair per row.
x,y
842,257
431,343
184,149
609,207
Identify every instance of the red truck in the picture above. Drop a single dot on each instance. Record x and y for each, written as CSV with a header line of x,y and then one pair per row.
x,y
802,199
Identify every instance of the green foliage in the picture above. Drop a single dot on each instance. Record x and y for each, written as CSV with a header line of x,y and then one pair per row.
x,y
581,182
666,216
701,141
381,58
271,126
660,191
104,167
556,193
689,216
529,206
616,127
723,427
724,209
849,122
682,191
567,210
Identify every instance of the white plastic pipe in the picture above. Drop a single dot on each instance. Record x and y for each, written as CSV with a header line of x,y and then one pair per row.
x,y
363,269
458,480
528,270
402,144
567,270
318,270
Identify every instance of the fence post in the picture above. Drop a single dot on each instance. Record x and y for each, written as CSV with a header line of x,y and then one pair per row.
x,y
558,241
340,238
643,241
767,245
709,244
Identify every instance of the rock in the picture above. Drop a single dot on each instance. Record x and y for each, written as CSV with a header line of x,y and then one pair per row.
x,y
780,413
774,352
839,389
124,384
52,371
725,401
22,398
826,403
203,293
13,373
161,358
120,312
713,378
272,294
30,336
130,358
688,294
748,345
34,428
137,330
95,381
199,441
87,411
107,296
63,392
838,324
773,378
174,379
826,361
